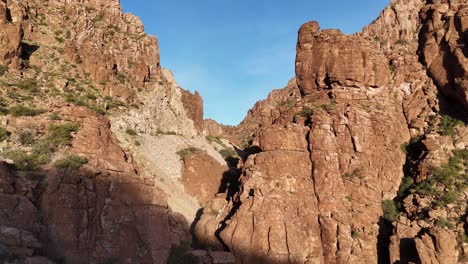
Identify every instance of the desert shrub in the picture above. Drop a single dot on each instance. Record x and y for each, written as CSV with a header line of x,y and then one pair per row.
x,y
60,135
448,124
442,222
180,254
112,103
137,143
131,132
401,42
20,110
43,152
426,188
4,134
305,112
390,211
449,197
26,137
212,139
406,184
354,234
187,152
226,153
70,162
54,116
27,84
3,69
22,160
413,145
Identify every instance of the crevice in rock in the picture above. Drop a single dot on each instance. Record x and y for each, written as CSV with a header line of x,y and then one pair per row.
x,y
383,241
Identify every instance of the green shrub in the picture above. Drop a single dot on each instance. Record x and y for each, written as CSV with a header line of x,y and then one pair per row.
x,y
21,110
212,139
448,124
449,197
354,234
426,188
390,211
401,42
442,222
43,152
187,152
4,134
70,162
22,160
54,116
406,184
137,143
131,132
26,137
3,69
305,112
226,153
27,84
60,135
180,254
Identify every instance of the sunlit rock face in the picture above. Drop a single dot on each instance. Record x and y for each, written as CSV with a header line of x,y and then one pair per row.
x,y
324,158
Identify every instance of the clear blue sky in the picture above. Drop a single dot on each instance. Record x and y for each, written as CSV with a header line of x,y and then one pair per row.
x,y
234,52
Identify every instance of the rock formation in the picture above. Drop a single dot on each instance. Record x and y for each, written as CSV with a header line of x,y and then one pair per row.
x,y
326,167
361,158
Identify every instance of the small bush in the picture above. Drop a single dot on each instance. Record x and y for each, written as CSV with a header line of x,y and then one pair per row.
x,y
60,135
70,162
26,137
405,185
180,254
4,134
448,124
305,112
27,84
226,153
390,211
401,42
212,139
442,222
54,116
22,160
426,188
449,197
187,152
131,132
3,69
43,152
354,234
21,110
137,143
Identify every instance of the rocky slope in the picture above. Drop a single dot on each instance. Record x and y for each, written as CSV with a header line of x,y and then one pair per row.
x,y
330,177
80,80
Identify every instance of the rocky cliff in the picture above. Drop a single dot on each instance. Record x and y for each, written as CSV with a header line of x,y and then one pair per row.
x,y
74,77
361,158
367,162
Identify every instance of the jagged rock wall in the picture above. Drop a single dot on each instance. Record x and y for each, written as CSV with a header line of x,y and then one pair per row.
x,y
362,97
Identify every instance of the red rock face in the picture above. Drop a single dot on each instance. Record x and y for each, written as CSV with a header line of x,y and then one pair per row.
x,y
94,219
323,162
193,104
202,176
107,44
443,47
327,58
10,39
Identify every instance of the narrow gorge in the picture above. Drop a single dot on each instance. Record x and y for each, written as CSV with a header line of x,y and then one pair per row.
x,y
104,158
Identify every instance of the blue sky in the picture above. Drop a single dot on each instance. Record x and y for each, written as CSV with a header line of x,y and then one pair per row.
x,y
234,52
